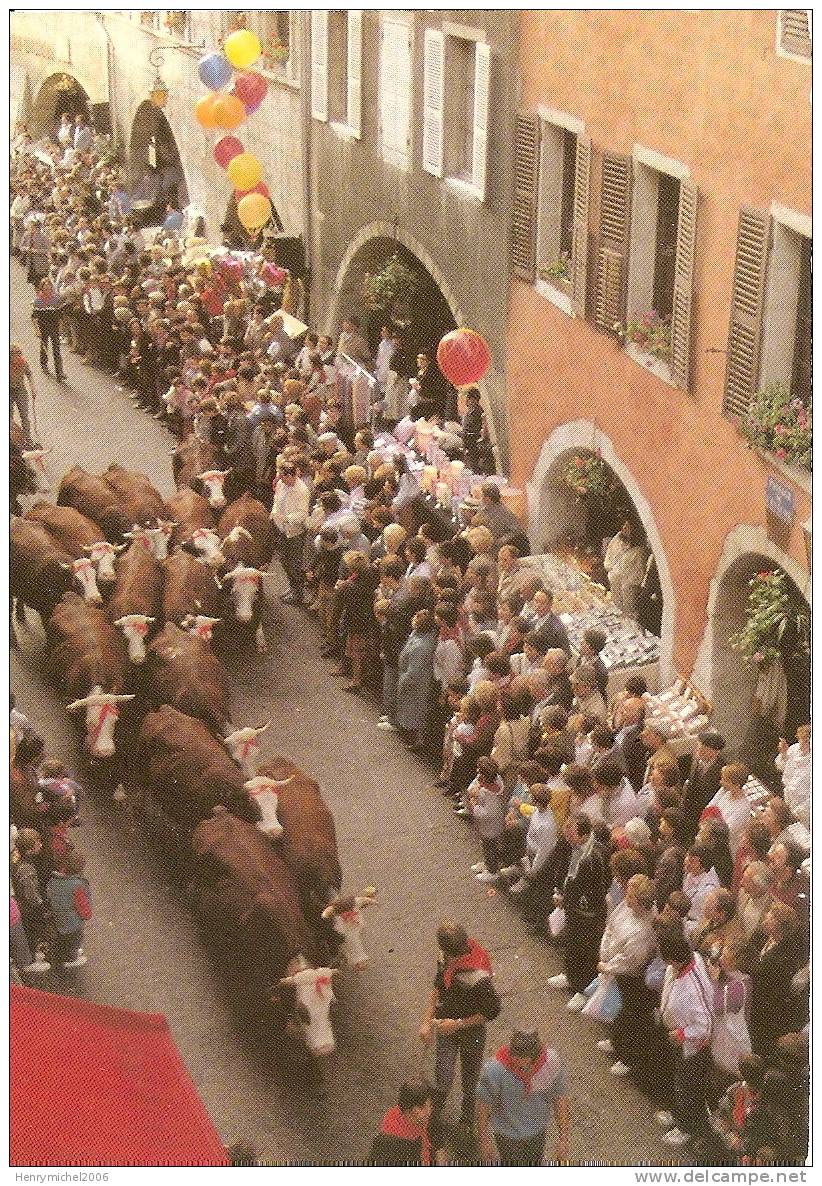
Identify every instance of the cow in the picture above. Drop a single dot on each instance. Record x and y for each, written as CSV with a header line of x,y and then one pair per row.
x,y
244,747
78,535
35,460
40,571
246,532
244,603
136,494
249,902
187,770
194,465
97,500
102,714
189,587
189,511
345,916
153,539
134,604
308,841
204,543
200,626
263,792
22,478
212,482
183,671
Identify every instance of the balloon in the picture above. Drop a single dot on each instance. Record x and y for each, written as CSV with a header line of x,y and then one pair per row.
x,y
250,108
204,109
229,112
214,71
253,211
173,221
250,89
226,149
242,48
244,171
259,188
463,356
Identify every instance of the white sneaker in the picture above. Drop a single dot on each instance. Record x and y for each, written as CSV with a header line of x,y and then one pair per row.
x,y
620,1068
487,877
518,887
479,867
664,1119
78,960
577,1002
606,1046
676,1137
386,726
560,981
461,811
37,965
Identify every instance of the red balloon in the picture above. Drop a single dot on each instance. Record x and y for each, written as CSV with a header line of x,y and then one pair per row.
x,y
226,149
463,356
250,88
259,188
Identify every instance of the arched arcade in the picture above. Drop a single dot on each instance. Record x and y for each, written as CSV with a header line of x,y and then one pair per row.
x,y
155,168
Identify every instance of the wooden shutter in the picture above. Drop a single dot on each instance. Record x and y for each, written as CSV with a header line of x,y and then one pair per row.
x,y
432,100
319,64
795,32
482,86
354,108
614,238
579,256
747,301
524,212
395,92
683,285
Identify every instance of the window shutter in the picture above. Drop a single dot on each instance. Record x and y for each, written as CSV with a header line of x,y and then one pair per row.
x,y
795,32
747,301
523,217
582,190
395,92
434,65
683,285
614,235
354,115
319,64
482,85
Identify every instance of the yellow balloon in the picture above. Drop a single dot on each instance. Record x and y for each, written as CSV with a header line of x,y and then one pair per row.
x,y
244,171
242,48
253,211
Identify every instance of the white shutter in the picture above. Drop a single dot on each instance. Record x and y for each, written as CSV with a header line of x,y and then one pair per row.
x,y
354,117
319,64
482,81
395,92
432,99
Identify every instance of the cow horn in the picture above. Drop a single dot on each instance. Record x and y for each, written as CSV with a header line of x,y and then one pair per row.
x,y
286,980
78,704
329,911
118,548
262,728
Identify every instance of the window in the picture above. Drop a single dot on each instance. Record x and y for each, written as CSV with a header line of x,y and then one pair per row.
x,y
278,31
319,64
344,65
395,92
801,371
455,118
459,108
793,33
555,220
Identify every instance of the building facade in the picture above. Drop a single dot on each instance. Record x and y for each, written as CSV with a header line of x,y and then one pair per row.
x,y
661,244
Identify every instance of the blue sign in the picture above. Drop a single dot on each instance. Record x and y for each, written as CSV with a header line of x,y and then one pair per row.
x,y
779,499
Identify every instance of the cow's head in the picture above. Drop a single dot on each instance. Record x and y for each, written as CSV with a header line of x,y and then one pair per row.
x,y
199,625
135,627
213,481
263,792
83,573
153,539
237,533
205,544
244,747
246,583
345,915
35,459
102,554
102,711
314,993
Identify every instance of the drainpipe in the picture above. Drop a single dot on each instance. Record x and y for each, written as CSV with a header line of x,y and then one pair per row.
x,y
306,129
110,78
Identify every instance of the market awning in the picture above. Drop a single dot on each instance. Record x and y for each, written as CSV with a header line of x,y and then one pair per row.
x,y
97,1086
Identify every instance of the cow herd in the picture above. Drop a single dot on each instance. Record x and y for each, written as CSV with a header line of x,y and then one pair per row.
x,y
136,595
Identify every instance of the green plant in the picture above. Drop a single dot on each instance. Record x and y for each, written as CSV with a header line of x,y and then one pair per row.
x,y
588,475
560,269
395,281
650,333
779,424
276,52
770,612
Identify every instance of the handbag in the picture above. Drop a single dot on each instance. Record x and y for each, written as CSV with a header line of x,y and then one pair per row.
x,y
605,1001
731,1040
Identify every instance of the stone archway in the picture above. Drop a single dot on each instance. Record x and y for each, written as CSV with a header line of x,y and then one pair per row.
x,y
719,671
553,511
60,93
155,166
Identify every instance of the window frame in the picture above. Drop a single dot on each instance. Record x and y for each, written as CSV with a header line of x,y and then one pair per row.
x,y
400,159
557,291
792,54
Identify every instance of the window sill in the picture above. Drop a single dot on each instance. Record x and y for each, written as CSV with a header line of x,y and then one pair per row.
x,y
655,365
556,296
801,477
293,84
344,131
464,188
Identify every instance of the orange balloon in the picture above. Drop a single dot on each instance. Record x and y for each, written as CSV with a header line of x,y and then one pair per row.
x,y
204,109
229,112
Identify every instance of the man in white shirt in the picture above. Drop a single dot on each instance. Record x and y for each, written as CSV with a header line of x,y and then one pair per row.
x,y
699,878
794,764
540,842
619,803
289,513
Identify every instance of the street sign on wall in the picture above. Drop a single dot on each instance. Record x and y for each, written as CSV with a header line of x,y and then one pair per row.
x,y
780,500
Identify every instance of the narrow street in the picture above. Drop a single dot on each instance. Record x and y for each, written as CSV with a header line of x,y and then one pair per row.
x,y
393,832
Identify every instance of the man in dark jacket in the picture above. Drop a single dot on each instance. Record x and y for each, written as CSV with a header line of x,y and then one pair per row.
x,y
404,1137
462,1002
583,898
632,752
702,777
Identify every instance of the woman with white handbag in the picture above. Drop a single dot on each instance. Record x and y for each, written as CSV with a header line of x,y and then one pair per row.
x,y
731,1040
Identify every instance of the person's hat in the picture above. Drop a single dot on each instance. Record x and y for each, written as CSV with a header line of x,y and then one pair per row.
x,y
525,1044
637,831
326,438
712,740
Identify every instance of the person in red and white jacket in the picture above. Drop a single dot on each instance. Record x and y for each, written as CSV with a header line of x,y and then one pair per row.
x,y
686,1009
69,896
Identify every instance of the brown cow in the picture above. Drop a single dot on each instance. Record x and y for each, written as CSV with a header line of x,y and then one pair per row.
x,y
187,769
249,900
190,511
184,672
78,535
309,839
97,500
194,464
189,587
40,570
135,603
246,532
142,503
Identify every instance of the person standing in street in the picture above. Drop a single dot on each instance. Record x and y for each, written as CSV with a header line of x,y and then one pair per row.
x,y
21,390
289,513
46,313
462,1003
518,1089
405,1138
